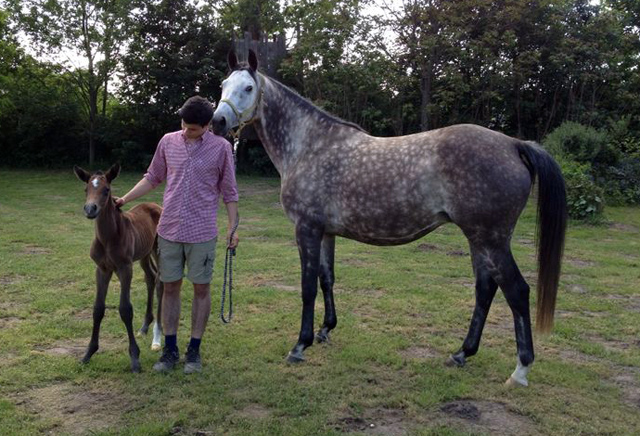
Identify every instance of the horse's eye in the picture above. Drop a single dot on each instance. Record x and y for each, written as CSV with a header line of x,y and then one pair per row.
x,y
249,88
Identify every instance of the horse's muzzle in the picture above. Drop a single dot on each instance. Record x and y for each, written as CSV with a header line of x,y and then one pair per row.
x,y
219,125
91,211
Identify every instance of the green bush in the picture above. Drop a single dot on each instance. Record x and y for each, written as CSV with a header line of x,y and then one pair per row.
x,y
585,199
573,141
132,155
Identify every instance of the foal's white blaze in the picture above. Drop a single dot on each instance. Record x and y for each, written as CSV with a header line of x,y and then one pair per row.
x,y
520,374
156,344
95,182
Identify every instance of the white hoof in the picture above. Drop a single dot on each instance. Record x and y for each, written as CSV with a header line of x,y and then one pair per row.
x,y
513,383
156,347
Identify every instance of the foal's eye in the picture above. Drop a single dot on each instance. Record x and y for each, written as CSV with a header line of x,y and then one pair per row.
x,y
249,88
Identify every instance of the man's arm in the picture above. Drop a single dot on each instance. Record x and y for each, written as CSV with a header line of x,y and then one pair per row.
x,y
141,188
232,214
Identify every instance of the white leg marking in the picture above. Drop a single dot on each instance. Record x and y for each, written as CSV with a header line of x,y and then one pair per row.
x,y
520,374
157,337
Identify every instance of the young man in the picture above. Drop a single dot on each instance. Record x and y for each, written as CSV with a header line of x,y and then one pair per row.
x,y
197,166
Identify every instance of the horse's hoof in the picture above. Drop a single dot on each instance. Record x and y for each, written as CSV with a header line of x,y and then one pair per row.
x,y
84,360
136,368
322,337
156,347
513,383
295,357
454,361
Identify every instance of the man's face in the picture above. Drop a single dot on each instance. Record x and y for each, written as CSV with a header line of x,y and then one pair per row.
x,y
193,131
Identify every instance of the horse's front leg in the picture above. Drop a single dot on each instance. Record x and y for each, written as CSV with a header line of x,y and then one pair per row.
x,y
150,280
125,273
309,238
103,277
327,278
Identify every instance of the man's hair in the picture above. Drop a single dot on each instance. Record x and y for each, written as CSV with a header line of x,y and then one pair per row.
x,y
196,110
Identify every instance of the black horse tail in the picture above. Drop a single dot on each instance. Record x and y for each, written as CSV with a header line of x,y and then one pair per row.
x,y
551,228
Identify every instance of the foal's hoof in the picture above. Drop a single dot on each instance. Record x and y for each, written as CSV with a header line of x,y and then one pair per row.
x,y
156,347
322,336
135,367
295,357
513,383
143,331
455,361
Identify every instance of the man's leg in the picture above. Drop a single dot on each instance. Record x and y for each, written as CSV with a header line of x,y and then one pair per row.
x,y
200,259
171,270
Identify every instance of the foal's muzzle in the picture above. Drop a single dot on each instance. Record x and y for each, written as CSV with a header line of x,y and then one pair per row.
x,y
91,210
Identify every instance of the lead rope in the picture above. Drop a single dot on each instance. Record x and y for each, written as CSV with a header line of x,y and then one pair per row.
x,y
228,259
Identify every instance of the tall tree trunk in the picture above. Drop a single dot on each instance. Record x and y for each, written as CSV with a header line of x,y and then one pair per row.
x,y
425,90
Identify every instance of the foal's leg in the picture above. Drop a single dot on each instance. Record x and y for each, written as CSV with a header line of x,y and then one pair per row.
x,y
102,281
125,273
156,344
327,278
486,289
309,238
150,280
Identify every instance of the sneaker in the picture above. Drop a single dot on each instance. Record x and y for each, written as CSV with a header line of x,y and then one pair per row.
x,y
168,360
192,362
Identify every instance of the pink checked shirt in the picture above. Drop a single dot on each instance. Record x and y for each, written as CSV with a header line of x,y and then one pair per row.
x,y
196,174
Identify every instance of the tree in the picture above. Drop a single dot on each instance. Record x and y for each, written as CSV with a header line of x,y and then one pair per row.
x,y
91,29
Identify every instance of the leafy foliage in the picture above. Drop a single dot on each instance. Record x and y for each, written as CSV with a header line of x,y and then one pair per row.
x,y
585,199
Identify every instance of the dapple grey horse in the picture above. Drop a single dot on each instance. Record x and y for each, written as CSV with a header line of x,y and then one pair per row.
x,y
339,181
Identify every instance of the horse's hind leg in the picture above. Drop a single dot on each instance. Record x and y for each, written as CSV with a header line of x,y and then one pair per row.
x,y
502,267
125,273
150,280
102,281
309,238
327,278
486,288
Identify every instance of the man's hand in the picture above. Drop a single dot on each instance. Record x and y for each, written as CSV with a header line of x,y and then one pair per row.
x,y
233,242
119,201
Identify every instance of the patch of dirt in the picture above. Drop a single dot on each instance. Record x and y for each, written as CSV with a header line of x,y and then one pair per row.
x,y
577,289
629,384
281,286
457,253
427,247
254,411
380,421
630,302
486,417
369,293
35,249
76,409
609,344
579,263
624,227
272,282
526,242
9,322
356,262
419,353
11,279
77,347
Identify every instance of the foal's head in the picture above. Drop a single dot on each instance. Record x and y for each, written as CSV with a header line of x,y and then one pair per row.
x,y
98,188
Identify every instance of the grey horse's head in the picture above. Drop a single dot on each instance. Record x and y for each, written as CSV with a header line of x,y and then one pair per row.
x,y
241,92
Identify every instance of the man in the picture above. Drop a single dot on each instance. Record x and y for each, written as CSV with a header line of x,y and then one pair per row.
x,y
197,166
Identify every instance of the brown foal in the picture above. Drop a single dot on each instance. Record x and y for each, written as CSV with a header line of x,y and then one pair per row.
x,y
121,238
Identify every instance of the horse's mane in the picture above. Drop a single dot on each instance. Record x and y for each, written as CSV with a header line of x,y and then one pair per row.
x,y
302,102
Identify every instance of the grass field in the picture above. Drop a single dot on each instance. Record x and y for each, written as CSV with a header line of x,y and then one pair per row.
x,y
401,311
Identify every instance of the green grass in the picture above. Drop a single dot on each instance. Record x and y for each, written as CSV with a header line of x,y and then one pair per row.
x,y
401,310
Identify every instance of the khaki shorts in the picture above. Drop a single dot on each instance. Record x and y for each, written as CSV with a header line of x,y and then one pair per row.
x,y
198,257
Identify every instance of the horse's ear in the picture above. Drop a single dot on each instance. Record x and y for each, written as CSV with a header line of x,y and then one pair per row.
x,y
232,60
113,172
253,60
81,174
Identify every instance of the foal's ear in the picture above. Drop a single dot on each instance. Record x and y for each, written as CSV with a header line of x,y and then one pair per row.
x,y
253,60
113,172
81,174
232,60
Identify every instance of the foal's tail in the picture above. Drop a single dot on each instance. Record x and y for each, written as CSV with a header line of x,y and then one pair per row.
x,y
551,227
